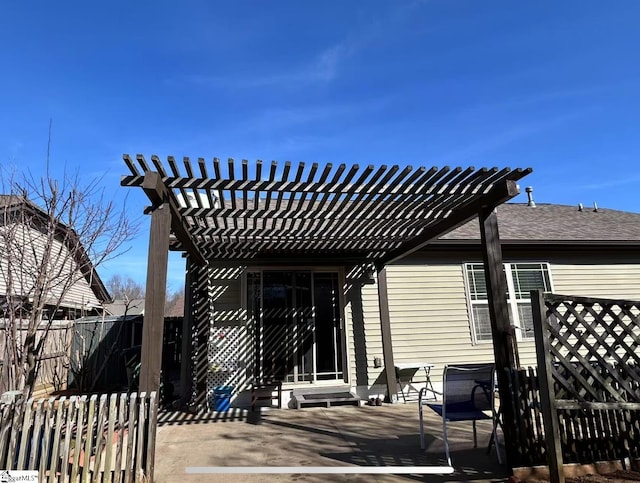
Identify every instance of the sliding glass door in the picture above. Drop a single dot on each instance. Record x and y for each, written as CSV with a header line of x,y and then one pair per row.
x,y
297,325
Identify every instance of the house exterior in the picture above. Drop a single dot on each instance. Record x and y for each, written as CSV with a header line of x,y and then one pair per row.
x,y
75,289
22,240
438,304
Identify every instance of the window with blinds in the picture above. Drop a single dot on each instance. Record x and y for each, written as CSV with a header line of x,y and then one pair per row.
x,y
521,279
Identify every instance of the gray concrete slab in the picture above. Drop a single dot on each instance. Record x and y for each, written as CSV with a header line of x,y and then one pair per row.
x,y
337,436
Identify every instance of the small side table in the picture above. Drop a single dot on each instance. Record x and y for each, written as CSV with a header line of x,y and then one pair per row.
x,y
406,371
264,391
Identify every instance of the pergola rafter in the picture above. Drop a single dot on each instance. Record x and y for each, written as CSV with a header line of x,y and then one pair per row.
x,y
251,212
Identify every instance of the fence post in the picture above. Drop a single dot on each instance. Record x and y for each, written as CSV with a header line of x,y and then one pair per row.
x,y
547,393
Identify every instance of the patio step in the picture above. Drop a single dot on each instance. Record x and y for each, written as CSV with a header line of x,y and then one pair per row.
x,y
324,395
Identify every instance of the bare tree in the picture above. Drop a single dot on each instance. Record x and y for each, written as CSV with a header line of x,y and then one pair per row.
x,y
125,288
53,236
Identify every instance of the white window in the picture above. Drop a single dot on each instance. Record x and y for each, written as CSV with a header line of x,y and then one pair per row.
x,y
521,279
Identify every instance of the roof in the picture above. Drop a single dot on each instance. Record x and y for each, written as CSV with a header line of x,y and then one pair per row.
x,y
551,223
119,307
245,211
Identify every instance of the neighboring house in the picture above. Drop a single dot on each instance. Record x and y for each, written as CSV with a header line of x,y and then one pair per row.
x,y
330,277
23,231
75,290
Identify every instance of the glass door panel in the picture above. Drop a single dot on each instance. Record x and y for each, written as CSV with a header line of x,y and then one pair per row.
x,y
328,331
297,326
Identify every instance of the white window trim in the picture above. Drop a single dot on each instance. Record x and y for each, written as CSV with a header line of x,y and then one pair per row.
x,y
512,300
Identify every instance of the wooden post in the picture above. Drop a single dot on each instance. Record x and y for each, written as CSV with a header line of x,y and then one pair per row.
x,y
153,324
186,382
547,393
503,342
385,326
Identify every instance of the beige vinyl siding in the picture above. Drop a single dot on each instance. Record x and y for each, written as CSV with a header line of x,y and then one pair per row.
x,y
362,317
78,290
613,280
429,317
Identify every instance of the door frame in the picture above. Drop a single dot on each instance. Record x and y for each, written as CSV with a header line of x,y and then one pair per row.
x,y
345,330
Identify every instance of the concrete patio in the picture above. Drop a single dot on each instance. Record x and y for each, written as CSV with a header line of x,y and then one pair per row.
x,y
337,436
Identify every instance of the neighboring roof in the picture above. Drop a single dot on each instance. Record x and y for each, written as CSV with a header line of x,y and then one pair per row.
x,y
244,212
549,223
119,307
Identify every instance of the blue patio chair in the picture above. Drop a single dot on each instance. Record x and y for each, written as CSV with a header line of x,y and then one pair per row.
x,y
468,395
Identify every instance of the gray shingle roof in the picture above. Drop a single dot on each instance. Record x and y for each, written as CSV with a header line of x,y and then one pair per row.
x,y
556,223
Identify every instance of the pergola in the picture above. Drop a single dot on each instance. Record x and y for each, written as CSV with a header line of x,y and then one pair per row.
x,y
254,213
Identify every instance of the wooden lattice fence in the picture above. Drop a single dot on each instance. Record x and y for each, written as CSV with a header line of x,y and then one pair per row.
x,y
81,439
586,435
589,378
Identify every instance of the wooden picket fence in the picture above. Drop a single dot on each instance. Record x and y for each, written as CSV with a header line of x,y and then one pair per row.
x,y
81,439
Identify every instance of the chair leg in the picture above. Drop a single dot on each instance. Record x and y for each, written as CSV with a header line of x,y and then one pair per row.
x,y
475,435
422,444
446,441
494,438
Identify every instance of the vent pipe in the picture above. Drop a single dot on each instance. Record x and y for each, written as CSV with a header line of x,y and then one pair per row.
x,y
580,207
595,207
529,190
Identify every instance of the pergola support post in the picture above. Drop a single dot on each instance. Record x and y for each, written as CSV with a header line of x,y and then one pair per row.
x,y
385,327
186,365
504,346
153,323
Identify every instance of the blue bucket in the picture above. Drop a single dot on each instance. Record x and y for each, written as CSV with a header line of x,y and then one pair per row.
x,y
222,398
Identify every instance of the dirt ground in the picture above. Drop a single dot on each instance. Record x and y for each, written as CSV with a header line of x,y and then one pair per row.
x,y
615,477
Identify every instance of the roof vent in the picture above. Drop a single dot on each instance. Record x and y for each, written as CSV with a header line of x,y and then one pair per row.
x,y
529,190
595,207
580,207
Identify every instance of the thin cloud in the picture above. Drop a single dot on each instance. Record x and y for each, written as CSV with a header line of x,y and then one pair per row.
x,y
535,99
323,68
612,183
508,136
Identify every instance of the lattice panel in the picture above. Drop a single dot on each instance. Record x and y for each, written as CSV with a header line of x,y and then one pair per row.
x,y
225,355
594,348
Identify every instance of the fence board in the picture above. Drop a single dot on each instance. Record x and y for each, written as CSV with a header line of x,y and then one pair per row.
x,y
46,436
131,438
122,421
16,417
35,439
100,438
75,468
140,439
68,432
151,445
52,468
113,414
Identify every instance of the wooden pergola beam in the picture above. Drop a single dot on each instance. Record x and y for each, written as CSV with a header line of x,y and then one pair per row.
x,y
498,195
158,193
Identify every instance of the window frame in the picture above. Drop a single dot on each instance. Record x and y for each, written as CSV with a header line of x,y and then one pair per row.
x,y
512,297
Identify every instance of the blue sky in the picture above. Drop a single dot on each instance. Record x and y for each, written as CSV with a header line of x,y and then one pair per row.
x,y
548,85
